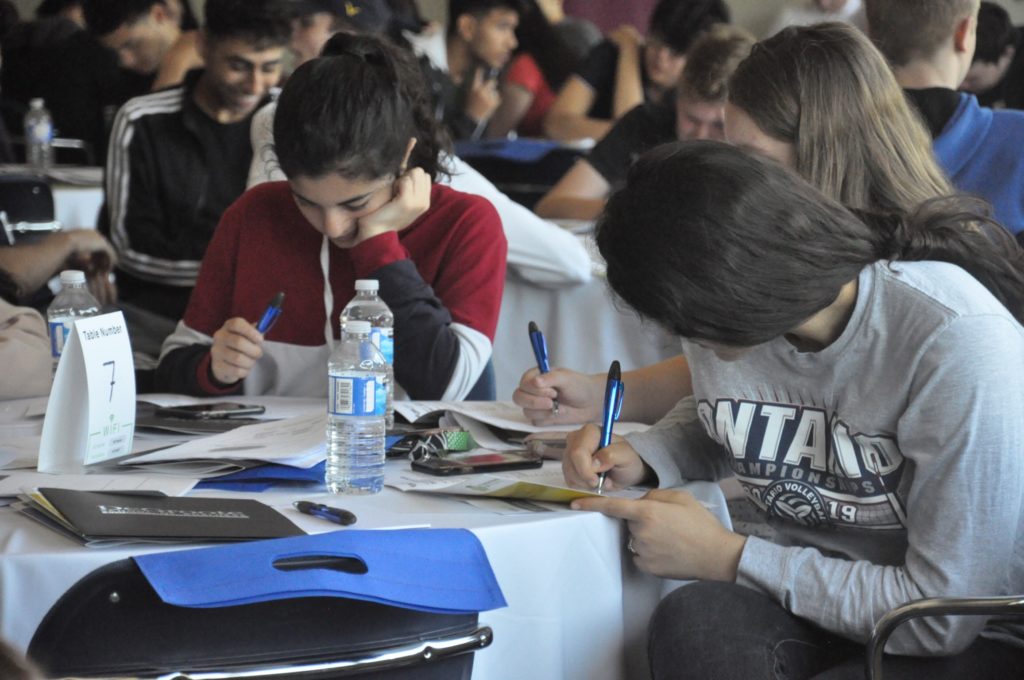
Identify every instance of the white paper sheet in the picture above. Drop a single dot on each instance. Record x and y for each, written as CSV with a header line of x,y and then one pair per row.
x,y
23,482
299,441
503,414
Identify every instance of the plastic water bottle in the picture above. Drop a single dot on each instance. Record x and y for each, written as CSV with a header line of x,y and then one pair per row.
x,y
367,306
38,137
356,397
74,301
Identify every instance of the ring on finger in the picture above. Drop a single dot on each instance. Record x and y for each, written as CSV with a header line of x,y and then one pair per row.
x,y
629,546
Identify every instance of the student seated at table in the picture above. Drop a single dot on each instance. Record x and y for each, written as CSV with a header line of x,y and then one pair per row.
x,y
178,158
930,45
824,78
547,55
359,203
860,376
996,76
481,38
625,71
156,39
697,113
539,252
24,347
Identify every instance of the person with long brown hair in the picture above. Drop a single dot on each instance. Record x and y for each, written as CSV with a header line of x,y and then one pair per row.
x,y
860,377
822,101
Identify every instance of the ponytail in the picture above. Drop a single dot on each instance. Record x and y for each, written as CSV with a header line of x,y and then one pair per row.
x,y
958,230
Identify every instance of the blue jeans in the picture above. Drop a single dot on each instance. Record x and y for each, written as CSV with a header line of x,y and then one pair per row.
x,y
730,632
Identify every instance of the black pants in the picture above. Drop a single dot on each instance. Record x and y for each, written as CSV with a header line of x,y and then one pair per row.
x,y
730,632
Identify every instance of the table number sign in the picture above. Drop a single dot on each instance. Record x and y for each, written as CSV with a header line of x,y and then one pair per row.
x,y
90,417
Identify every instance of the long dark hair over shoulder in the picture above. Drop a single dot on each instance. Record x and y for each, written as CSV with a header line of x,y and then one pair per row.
x,y
353,110
718,244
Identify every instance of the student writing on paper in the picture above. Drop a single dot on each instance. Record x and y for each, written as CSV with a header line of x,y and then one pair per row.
x,y
355,137
860,375
824,78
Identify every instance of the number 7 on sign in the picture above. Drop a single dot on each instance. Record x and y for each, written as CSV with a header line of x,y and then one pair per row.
x,y
113,366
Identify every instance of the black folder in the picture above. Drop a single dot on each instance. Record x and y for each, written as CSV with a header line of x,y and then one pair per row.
x,y
112,517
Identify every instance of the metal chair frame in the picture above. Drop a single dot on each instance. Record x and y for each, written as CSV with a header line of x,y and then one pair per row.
x,y
935,606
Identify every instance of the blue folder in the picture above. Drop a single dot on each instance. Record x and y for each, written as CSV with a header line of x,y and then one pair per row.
x,y
518,150
434,570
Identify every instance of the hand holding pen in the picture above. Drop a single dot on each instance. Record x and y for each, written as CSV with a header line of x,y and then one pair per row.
x,y
271,314
540,352
613,391
238,344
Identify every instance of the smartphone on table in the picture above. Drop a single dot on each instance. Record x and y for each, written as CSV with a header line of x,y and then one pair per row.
x,y
221,409
478,461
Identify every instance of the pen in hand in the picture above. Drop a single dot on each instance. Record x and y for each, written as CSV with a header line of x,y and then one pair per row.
x,y
336,515
613,390
540,352
270,315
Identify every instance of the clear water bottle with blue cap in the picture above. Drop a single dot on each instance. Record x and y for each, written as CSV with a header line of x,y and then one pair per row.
x,y
74,301
367,306
356,399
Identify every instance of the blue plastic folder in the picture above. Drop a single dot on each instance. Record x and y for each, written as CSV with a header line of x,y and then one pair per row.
x,y
434,570
517,150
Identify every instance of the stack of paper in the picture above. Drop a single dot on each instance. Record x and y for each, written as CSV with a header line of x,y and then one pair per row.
x,y
483,418
298,442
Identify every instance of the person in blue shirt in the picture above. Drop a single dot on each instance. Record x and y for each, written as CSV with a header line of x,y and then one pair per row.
x,y
930,44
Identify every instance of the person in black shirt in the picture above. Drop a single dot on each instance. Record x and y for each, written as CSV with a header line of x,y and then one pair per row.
x,y
481,39
179,157
625,71
697,113
996,75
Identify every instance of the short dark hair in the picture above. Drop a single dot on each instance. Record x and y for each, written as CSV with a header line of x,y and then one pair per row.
x,y
265,23
49,8
353,110
905,30
718,244
678,23
478,8
103,17
995,33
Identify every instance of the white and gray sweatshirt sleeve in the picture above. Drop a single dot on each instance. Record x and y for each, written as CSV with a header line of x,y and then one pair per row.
x,y
963,432
678,449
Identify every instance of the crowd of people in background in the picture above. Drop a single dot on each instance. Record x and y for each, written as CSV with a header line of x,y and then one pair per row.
x,y
829,218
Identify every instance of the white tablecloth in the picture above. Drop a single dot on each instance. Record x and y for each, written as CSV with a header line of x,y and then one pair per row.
x,y
585,328
578,608
77,207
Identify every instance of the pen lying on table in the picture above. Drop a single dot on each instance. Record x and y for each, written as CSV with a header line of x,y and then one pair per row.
x,y
613,391
336,515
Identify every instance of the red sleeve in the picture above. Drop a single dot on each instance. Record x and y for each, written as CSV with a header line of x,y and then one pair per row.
x,y
471,277
523,71
373,253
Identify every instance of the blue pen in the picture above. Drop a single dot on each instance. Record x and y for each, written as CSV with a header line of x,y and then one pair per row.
x,y
336,515
613,391
270,316
540,352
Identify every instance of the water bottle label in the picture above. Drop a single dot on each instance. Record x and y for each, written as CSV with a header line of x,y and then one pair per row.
x,y
59,333
356,396
384,340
